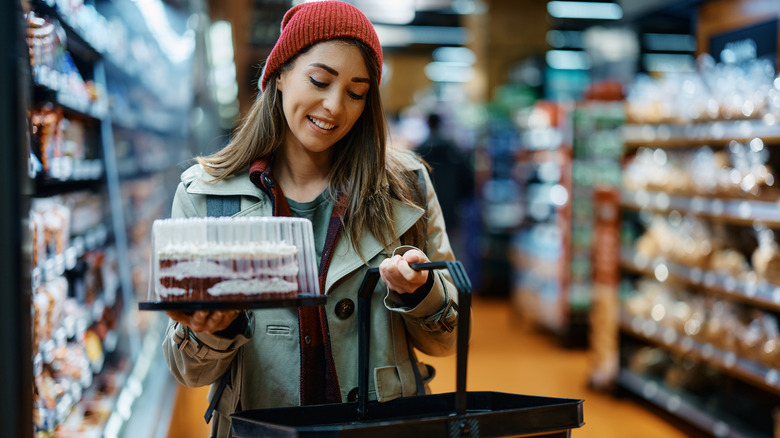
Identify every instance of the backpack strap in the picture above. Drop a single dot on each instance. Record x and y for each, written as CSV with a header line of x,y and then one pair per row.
x,y
420,199
422,185
217,205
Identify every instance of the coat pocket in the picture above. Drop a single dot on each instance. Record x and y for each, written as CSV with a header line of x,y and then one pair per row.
x,y
221,420
388,383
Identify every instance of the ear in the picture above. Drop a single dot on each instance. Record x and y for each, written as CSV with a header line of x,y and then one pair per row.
x,y
279,81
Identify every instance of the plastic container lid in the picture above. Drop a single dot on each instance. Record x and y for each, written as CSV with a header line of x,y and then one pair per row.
x,y
221,258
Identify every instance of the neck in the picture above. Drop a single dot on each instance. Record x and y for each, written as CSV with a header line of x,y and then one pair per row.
x,y
302,176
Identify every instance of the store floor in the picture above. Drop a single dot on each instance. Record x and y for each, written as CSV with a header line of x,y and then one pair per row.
x,y
508,356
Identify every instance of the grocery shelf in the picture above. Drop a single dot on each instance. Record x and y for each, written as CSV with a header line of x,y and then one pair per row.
x,y
757,292
49,186
53,84
700,134
86,46
730,363
677,404
56,266
738,211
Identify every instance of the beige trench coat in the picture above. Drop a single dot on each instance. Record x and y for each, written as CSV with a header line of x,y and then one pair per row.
x,y
265,360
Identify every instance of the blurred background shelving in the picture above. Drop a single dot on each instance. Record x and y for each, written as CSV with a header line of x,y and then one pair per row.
x,y
616,186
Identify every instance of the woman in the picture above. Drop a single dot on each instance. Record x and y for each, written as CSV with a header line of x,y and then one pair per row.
x,y
313,145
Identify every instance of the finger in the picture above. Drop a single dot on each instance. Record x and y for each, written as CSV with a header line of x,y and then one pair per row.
x,y
405,271
221,319
198,320
180,317
388,267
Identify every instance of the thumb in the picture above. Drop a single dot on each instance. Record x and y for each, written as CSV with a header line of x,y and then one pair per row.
x,y
415,256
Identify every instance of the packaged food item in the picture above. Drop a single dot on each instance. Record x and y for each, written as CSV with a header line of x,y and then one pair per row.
x,y
232,259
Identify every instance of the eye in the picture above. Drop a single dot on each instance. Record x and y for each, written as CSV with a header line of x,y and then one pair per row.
x,y
317,83
355,96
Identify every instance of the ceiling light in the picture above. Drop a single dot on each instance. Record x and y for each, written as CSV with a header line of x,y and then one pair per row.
x,y
449,71
399,36
454,54
585,10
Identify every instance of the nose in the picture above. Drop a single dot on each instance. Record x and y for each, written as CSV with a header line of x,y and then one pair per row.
x,y
334,101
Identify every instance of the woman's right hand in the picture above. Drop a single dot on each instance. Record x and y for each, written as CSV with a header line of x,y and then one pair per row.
x,y
204,321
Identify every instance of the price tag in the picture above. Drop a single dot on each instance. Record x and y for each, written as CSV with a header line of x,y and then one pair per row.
x,y
771,377
71,257
37,364
649,390
79,245
730,359
696,275
709,279
698,204
662,201
730,283
744,210
59,264
717,207
89,240
751,289
47,351
49,272
707,351
673,404
721,429
35,277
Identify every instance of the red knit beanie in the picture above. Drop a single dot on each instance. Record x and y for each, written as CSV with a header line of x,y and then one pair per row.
x,y
313,22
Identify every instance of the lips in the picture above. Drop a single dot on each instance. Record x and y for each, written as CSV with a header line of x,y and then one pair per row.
x,y
322,124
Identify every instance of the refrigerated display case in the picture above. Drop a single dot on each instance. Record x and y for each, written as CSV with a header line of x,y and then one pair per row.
x,y
107,109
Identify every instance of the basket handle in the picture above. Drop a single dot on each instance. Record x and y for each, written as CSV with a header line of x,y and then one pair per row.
x,y
462,284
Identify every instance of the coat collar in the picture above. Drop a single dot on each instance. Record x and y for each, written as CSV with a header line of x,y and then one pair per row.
x,y
199,182
345,256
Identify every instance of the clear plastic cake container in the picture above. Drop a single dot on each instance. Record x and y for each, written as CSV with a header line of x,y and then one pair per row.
x,y
232,260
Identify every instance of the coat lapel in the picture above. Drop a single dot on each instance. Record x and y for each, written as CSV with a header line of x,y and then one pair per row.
x,y
345,256
201,183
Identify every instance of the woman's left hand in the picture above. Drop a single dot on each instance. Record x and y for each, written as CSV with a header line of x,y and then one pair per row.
x,y
399,276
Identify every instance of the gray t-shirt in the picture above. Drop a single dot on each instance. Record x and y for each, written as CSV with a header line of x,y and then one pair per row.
x,y
318,211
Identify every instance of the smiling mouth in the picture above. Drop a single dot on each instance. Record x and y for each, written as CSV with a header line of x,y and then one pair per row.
x,y
320,124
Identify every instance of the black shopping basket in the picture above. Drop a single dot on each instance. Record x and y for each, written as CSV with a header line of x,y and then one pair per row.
x,y
458,414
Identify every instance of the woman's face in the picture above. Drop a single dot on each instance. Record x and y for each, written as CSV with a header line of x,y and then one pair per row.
x,y
323,95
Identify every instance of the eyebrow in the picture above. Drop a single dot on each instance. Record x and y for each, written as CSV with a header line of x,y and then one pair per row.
x,y
335,73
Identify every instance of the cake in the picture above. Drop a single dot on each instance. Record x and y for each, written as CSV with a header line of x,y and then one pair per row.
x,y
227,272
222,259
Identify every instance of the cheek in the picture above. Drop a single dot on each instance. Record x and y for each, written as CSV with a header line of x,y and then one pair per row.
x,y
357,112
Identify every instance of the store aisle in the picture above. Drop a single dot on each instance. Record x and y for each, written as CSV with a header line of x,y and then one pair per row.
x,y
505,355
508,356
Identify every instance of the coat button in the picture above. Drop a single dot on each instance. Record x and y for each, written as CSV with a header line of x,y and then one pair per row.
x,y
352,396
307,339
344,308
267,181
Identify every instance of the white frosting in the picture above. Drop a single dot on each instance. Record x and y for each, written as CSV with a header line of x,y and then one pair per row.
x,y
170,291
256,250
204,269
252,287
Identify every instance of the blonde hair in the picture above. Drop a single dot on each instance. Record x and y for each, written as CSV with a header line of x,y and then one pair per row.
x,y
363,167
